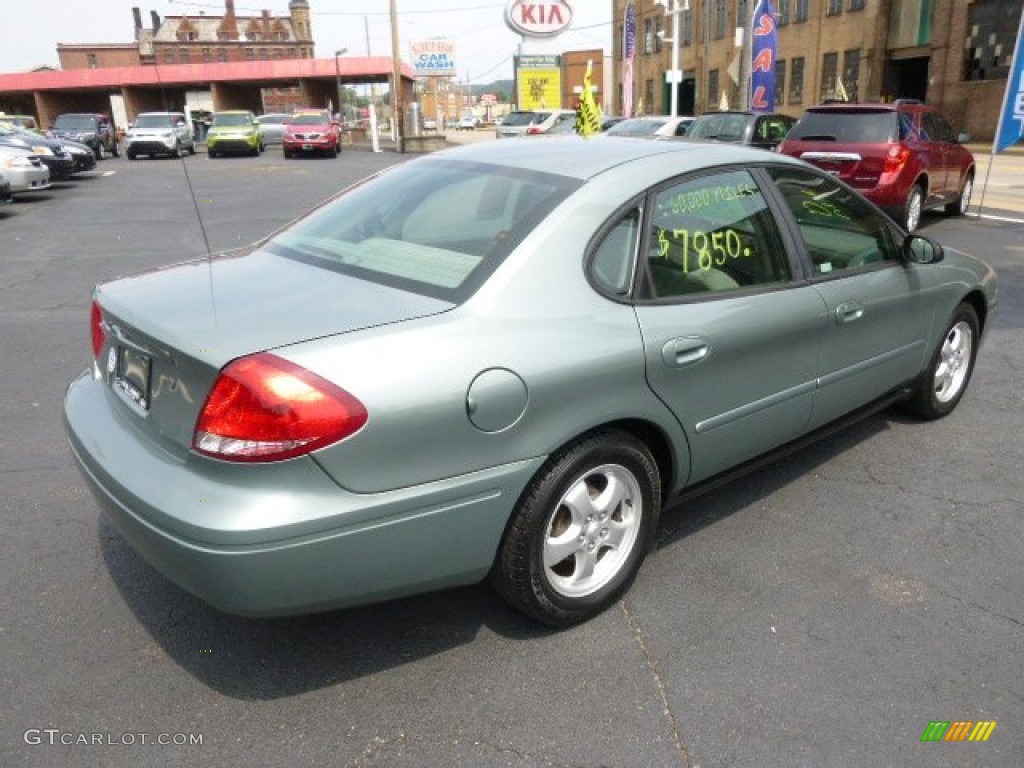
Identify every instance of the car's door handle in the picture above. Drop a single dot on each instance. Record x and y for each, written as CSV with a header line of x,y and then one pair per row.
x,y
685,350
849,311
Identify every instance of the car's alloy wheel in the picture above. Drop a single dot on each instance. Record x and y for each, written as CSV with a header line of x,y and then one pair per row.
x,y
581,529
912,212
948,373
101,151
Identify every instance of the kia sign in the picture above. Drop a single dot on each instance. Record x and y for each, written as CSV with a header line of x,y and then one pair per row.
x,y
433,57
538,19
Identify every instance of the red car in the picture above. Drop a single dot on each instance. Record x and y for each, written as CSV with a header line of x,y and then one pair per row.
x,y
904,157
312,131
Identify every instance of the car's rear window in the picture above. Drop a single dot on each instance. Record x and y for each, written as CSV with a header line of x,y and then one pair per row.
x,y
848,127
310,118
718,127
434,227
519,118
637,127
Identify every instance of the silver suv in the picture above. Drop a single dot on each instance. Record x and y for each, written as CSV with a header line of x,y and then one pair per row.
x,y
159,133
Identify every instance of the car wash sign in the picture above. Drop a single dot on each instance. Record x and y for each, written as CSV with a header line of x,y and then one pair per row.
x,y
434,57
538,19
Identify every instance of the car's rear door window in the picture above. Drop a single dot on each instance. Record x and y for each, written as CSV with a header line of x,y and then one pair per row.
x,y
713,234
840,230
848,126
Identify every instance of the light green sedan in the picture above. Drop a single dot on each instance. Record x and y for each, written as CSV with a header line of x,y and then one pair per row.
x,y
500,361
233,132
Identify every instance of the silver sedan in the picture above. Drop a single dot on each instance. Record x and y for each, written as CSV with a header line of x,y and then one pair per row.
x,y
498,361
23,170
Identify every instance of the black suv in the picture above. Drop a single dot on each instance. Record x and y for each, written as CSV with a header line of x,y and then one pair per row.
x,y
93,130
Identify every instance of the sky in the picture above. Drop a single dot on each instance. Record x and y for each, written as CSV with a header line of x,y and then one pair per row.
x,y
31,29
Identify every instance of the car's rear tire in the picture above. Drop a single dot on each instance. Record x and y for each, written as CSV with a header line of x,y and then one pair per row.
x,y
912,208
581,529
949,371
115,151
959,206
176,152
101,152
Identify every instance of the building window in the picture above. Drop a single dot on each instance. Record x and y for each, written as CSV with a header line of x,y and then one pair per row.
x,y
851,74
648,37
293,53
649,97
796,81
713,95
658,34
184,56
264,54
168,57
617,42
782,13
688,27
222,54
780,82
834,8
856,5
250,53
829,73
802,11
991,29
719,19
742,13
92,60
207,54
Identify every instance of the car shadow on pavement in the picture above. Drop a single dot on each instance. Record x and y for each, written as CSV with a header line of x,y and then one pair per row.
x,y
693,512
266,659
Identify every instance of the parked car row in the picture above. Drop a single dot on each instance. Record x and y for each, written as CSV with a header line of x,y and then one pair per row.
x,y
903,156
30,162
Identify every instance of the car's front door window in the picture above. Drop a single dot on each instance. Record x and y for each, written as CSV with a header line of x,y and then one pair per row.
x,y
713,234
840,230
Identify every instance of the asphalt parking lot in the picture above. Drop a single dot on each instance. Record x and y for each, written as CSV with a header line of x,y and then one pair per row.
x,y
822,612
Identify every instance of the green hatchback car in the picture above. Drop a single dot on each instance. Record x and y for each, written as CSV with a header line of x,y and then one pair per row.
x,y
234,132
499,361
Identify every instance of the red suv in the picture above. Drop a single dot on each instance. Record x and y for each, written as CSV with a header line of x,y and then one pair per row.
x,y
903,156
311,131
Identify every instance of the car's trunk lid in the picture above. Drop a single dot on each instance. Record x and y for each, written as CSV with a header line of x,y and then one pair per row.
x,y
169,332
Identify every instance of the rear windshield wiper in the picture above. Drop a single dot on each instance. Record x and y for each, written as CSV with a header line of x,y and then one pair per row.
x,y
812,137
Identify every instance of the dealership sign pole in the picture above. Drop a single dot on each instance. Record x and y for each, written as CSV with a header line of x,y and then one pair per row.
x,y
1010,128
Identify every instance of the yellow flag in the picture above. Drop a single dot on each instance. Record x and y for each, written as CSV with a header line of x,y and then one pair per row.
x,y
588,116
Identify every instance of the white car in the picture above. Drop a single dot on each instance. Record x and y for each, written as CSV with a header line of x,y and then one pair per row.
x,y
159,133
660,125
24,170
467,123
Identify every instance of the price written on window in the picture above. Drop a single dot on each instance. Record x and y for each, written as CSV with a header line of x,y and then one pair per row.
x,y
702,250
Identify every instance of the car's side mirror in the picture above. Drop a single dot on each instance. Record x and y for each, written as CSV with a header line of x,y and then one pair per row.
x,y
920,250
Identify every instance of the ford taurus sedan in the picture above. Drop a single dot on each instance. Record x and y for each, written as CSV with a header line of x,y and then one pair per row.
x,y
501,361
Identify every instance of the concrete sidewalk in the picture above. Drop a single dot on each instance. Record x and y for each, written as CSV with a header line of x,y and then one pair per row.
x,y
1001,189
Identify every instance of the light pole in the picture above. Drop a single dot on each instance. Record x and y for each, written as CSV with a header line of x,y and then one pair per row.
x,y
673,8
337,76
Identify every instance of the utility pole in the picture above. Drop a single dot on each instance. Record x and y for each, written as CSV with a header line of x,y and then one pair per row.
x,y
396,81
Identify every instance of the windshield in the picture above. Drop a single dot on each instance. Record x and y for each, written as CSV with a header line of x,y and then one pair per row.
x,y
75,123
154,121
309,119
848,127
435,227
719,127
230,120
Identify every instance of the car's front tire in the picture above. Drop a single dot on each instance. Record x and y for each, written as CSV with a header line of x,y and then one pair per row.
x,y
100,152
959,206
581,529
945,380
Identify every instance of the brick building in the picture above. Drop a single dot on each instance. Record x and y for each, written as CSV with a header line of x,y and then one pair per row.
x,y
201,38
949,53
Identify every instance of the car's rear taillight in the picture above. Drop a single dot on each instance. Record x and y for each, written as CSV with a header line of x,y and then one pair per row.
x,y
264,408
533,130
99,335
896,159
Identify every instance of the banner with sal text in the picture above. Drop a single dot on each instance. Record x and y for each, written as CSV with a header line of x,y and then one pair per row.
x,y
762,58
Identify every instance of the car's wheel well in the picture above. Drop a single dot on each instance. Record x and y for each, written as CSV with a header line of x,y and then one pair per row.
x,y
980,306
657,443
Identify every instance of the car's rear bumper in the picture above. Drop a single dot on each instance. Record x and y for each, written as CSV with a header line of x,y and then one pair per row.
x,y
283,538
